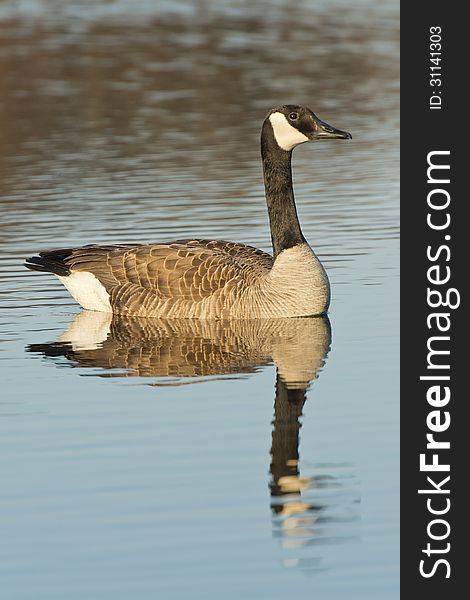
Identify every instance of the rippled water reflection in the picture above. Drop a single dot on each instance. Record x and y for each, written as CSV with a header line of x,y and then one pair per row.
x,y
126,121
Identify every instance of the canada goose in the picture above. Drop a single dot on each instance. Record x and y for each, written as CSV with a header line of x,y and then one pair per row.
x,y
211,278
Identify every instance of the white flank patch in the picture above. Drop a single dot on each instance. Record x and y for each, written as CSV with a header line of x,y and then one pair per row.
x,y
87,290
287,137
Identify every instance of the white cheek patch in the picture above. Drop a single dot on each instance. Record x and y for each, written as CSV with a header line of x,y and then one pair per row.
x,y
287,137
87,291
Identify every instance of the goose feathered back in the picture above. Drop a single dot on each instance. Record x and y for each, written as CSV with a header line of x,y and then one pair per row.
x,y
184,278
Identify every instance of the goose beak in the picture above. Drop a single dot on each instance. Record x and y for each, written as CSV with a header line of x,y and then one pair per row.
x,y
325,131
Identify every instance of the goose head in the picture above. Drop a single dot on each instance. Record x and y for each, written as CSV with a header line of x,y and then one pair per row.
x,y
291,125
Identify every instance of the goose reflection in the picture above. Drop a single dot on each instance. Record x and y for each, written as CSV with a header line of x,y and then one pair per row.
x,y
180,348
179,351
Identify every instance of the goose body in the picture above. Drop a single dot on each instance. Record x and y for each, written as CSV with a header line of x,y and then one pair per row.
x,y
207,279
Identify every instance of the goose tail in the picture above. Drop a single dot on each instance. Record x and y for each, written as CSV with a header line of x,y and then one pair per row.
x,y
50,261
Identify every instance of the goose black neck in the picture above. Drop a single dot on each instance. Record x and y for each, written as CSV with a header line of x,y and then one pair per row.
x,y
283,219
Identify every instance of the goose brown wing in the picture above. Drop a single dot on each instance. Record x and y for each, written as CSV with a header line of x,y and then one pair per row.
x,y
182,270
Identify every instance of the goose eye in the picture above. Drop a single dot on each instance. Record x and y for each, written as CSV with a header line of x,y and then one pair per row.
x,y
293,116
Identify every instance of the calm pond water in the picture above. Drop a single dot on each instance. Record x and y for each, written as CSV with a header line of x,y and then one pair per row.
x,y
154,459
